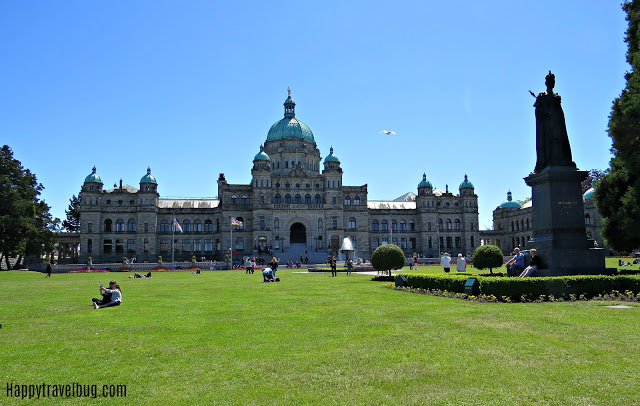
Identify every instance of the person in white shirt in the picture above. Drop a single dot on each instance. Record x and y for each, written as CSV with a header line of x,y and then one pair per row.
x,y
445,261
461,264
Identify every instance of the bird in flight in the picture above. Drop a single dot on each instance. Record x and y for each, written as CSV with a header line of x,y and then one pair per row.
x,y
387,132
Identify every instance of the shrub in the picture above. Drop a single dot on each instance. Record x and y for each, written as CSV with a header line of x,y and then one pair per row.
x,y
487,256
450,283
383,278
387,258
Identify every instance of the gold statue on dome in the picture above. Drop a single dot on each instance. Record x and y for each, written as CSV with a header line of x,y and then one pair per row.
x,y
289,90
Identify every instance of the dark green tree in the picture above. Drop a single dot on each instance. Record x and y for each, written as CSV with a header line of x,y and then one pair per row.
x,y
616,193
72,223
387,258
488,256
25,222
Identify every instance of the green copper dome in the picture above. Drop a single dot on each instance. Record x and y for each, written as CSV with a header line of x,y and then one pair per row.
x,y
465,183
261,156
289,126
93,177
424,182
148,178
589,194
509,203
331,157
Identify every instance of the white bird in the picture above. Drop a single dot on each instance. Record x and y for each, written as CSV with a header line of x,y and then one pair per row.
x,y
387,132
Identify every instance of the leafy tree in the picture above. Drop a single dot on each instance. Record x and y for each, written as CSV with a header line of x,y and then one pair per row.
x,y
387,258
617,193
593,176
25,221
488,256
72,223
523,201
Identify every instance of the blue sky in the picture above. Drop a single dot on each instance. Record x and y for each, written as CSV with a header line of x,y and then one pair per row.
x,y
192,88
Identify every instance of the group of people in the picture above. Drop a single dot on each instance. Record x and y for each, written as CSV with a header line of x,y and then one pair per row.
x,y
250,265
137,275
516,265
111,296
623,263
445,261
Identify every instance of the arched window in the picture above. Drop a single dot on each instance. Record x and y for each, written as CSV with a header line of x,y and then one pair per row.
x,y
347,200
320,224
456,224
394,225
234,199
208,226
403,225
521,224
384,225
356,201
241,220
197,226
318,199
412,225
277,198
374,225
164,226
472,242
276,223
528,225
186,226
517,226
244,199
587,219
107,225
298,198
120,225
131,225
513,228
307,198
217,224
448,224
287,198
352,223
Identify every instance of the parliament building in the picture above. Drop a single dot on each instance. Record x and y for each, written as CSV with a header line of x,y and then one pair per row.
x,y
296,205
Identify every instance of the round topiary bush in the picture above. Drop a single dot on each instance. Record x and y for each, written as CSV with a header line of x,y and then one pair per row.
x,y
387,258
488,256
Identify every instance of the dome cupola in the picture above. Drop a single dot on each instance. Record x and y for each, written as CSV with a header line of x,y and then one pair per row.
x,y
424,182
289,126
148,178
465,183
261,156
589,194
93,176
331,157
509,203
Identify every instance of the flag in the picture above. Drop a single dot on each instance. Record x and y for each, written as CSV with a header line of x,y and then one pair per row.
x,y
438,228
235,222
175,222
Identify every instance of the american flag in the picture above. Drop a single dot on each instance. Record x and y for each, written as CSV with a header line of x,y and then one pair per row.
x,y
235,222
175,222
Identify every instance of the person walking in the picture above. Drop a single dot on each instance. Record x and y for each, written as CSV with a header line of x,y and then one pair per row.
x,y
49,270
445,261
349,266
334,270
461,263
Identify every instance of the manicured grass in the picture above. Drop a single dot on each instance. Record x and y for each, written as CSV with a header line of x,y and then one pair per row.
x,y
226,338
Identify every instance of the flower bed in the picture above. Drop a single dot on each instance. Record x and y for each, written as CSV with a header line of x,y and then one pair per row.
x,y
88,270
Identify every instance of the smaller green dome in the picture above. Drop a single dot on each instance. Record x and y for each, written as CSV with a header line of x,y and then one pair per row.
x,y
331,157
93,177
424,182
509,203
148,178
465,183
261,156
589,194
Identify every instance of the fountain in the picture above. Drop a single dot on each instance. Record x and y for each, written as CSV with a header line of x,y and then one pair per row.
x,y
347,247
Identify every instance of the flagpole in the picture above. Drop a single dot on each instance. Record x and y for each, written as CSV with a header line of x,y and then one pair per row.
x,y
173,237
231,246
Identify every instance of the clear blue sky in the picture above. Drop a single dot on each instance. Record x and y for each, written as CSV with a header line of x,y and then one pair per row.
x,y
191,89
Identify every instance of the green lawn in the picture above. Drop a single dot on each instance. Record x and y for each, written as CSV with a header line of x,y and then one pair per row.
x,y
226,338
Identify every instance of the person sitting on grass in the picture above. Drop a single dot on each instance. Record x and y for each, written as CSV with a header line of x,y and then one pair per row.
x,y
115,296
533,265
267,275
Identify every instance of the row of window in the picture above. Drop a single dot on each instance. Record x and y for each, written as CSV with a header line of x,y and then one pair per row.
x,y
297,198
384,225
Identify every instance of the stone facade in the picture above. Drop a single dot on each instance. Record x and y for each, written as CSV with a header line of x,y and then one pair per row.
x,y
296,204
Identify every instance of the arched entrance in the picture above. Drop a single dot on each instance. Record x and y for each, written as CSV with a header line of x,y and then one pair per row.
x,y
298,233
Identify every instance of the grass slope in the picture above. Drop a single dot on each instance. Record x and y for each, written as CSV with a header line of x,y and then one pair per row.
x,y
226,338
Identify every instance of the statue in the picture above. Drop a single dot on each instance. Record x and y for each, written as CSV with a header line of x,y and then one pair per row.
x,y
552,141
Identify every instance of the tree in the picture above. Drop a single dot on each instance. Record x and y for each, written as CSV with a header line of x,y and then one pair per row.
x,y
616,194
72,223
488,256
25,221
387,258
523,201
594,176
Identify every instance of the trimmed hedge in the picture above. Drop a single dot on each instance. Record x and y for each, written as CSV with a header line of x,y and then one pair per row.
x,y
531,288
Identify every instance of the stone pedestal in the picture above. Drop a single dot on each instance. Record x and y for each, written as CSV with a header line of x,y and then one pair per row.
x,y
559,234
